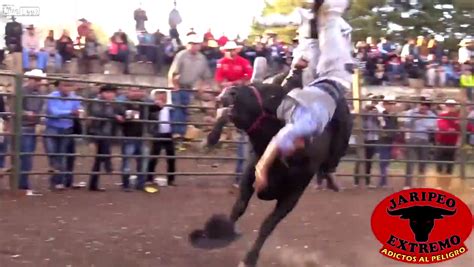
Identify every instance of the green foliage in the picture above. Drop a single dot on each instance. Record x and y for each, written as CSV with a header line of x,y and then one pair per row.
x,y
367,20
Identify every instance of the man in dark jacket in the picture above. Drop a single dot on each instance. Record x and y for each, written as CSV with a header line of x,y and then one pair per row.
x,y
133,127
104,117
389,122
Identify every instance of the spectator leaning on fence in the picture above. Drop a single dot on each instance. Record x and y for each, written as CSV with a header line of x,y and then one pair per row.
x,y
31,48
389,123
448,136
188,68
32,108
371,126
60,127
162,130
135,129
103,119
420,123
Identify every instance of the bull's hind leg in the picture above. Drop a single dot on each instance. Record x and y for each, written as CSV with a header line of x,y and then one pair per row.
x,y
283,207
246,190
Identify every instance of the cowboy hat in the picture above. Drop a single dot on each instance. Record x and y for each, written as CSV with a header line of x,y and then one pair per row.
x,y
230,45
36,73
30,27
450,102
465,42
194,39
390,99
83,20
212,43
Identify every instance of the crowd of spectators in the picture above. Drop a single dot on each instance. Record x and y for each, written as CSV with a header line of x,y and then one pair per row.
x,y
417,133
419,62
154,48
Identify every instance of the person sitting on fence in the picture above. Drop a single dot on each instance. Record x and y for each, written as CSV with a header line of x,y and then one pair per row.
x,y
163,131
91,51
31,48
65,47
32,108
50,48
104,117
59,130
135,129
420,123
119,50
146,47
447,137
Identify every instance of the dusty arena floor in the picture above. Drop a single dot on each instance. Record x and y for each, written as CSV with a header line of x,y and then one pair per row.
x,y
79,228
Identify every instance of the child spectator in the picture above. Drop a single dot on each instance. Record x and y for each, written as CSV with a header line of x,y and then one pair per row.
x,y
162,130
467,81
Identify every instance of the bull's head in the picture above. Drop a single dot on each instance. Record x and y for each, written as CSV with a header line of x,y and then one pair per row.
x,y
421,219
245,106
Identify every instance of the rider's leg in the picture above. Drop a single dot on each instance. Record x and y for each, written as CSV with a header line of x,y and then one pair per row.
x,y
334,48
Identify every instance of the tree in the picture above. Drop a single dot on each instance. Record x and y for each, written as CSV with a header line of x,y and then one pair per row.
x,y
400,19
404,18
284,7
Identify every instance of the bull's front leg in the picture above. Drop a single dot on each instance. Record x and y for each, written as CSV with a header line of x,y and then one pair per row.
x,y
284,206
216,132
246,190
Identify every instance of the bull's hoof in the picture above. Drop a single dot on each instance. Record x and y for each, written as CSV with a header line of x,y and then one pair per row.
x,y
242,264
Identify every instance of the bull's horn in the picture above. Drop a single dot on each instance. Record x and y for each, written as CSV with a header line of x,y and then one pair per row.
x,y
260,67
439,212
400,212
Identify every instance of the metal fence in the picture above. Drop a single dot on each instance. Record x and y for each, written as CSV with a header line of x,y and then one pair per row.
x,y
16,97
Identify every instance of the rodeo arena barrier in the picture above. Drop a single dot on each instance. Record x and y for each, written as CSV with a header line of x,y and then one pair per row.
x,y
356,155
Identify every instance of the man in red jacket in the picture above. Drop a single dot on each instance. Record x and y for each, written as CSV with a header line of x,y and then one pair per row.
x,y
447,136
232,69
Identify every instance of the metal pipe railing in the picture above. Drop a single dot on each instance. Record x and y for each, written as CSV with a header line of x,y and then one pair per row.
x,y
16,134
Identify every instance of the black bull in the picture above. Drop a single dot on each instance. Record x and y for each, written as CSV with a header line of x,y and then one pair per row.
x,y
253,109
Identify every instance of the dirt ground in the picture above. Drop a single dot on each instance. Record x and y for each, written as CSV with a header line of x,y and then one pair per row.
x,y
80,228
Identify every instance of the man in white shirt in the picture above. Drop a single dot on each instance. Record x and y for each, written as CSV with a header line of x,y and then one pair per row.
x,y
163,131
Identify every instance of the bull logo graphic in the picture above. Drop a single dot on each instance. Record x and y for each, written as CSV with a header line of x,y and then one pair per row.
x,y
422,219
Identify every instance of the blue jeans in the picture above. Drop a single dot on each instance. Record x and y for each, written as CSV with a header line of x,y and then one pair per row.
x,y
28,145
70,161
132,148
239,168
180,114
59,145
41,59
58,61
385,153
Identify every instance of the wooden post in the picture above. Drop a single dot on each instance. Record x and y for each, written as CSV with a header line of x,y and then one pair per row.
x,y
463,142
